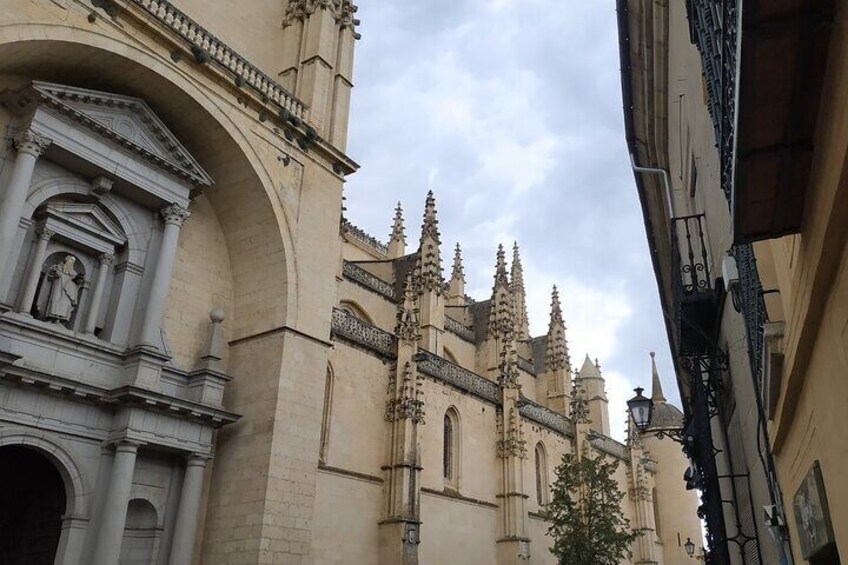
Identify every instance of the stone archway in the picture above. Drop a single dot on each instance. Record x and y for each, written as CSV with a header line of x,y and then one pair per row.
x,y
32,503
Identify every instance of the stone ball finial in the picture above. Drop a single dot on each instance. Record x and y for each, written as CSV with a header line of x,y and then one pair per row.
x,y
217,315
653,354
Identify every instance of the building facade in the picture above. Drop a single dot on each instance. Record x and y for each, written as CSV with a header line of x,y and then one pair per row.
x,y
197,365
733,116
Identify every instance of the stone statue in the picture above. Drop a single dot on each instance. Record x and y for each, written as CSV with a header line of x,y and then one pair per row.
x,y
63,296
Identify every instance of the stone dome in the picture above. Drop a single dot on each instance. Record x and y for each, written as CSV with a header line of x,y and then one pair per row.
x,y
665,416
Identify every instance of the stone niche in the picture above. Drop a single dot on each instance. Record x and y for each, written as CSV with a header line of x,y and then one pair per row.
x,y
96,191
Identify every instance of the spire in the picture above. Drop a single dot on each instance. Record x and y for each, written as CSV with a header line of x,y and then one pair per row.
x,y
397,239
458,271
429,259
556,354
456,286
656,389
519,297
589,370
501,323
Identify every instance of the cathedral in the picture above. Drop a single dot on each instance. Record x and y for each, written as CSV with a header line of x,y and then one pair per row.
x,y
203,362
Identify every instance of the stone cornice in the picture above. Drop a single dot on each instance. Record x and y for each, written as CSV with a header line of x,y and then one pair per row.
x,y
352,329
357,274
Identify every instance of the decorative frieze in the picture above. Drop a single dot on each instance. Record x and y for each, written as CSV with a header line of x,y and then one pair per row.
x,y
458,329
359,275
353,329
354,232
545,416
463,379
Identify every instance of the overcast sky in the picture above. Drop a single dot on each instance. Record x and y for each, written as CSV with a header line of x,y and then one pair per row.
x,y
510,111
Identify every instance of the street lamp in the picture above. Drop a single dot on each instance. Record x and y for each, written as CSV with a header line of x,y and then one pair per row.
x,y
690,548
641,408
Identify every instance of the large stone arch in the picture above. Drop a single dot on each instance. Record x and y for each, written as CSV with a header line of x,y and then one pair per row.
x,y
243,198
76,492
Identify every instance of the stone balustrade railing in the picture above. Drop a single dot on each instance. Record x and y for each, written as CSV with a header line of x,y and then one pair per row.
x,y
463,379
526,365
458,329
369,281
198,37
361,236
353,329
546,417
609,445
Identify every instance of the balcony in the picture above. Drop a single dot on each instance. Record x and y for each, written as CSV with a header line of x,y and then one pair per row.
x,y
696,296
766,145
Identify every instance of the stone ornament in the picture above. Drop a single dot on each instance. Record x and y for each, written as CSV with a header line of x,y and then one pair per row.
x,y
31,143
407,329
342,10
508,377
513,444
46,234
175,214
106,259
579,407
63,296
409,406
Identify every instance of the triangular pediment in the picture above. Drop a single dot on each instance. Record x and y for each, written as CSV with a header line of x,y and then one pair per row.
x,y
89,218
128,120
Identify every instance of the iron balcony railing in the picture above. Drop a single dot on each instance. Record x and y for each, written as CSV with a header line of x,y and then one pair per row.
x,y
696,298
713,29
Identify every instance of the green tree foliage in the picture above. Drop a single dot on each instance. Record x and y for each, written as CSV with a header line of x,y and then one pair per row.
x,y
588,526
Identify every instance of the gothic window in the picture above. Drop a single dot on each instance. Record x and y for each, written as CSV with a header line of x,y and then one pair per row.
x,y
450,446
327,415
655,504
541,475
356,311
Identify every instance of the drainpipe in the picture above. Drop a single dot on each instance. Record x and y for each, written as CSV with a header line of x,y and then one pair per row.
x,y
656,171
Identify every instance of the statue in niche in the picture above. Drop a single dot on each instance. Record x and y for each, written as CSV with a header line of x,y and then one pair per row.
x,y
64,291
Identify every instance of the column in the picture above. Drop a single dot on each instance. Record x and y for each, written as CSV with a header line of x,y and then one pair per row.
x,y
107,549
30,146
96,298
185,528
174,216
31,283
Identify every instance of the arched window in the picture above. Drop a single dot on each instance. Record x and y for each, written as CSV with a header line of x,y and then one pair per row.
x,y
450,446
541,475
655,504
327,415
356,311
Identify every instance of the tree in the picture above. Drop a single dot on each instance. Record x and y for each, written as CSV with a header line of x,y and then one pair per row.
x,y
588,526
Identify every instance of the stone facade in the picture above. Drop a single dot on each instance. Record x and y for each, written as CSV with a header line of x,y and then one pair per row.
x,y
188,371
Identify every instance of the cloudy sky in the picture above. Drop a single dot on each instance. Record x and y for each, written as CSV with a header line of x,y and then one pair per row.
x,y
510,111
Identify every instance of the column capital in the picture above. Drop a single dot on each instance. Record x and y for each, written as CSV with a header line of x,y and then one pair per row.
x,y
197,460
106,258
46,233
31,143
175,214
126,446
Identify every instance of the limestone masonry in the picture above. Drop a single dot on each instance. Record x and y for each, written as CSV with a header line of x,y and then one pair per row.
x,y
201,361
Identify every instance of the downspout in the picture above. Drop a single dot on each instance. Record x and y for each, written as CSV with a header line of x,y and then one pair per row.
x,y
666,181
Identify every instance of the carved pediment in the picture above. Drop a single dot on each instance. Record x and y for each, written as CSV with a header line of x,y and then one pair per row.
x,y
127,120
84,223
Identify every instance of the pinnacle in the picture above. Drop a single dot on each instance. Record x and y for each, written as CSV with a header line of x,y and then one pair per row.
x,y
589,369
458,272
430,227
398,232
500,268
656,386
556,308
517,270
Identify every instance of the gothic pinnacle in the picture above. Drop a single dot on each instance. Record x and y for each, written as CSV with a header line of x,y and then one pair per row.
x,y
429,265
501,279
519,299
556,308
458,273
656,386
397,239
398,232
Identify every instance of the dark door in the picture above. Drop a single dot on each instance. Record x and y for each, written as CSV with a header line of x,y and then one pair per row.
x,y
32,502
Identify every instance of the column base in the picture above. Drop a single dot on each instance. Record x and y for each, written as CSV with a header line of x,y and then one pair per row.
x,y
399,539
513,550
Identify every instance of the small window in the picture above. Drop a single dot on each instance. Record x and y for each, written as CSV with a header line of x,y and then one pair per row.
x,y
450,446
655,504
326,417
541,475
